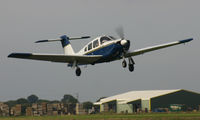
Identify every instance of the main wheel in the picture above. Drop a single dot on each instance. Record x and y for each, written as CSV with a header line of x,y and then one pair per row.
x,y
78,71
131,67
124,64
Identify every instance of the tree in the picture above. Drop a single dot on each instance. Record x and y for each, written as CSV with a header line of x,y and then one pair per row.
x,y
22,101
43,101
11,103
32,99
69,99
87,105
54,101
24,104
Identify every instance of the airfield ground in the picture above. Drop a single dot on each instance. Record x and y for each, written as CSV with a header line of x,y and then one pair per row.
x,y
148,116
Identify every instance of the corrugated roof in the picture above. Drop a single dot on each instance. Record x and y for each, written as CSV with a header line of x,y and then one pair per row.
x,y
136,95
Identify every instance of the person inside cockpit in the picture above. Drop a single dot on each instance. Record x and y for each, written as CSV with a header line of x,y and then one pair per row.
x,y
104,39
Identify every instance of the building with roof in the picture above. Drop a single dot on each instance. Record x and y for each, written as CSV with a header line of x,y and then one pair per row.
x,y
149,100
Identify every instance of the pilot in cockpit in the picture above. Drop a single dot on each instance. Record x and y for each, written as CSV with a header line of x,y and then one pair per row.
x,y
104,39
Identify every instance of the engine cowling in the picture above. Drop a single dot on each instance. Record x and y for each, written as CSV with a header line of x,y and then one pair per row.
x,y
125,44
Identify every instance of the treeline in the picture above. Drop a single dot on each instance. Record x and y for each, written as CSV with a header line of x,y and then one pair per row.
x,y
27,102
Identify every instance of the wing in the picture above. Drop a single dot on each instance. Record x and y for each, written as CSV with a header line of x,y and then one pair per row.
x,y
152,48
81,59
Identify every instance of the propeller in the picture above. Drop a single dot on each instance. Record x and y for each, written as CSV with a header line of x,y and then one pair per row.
x,y
125,43
120,32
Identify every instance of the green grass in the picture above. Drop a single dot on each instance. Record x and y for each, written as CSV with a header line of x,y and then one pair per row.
x,y
147,116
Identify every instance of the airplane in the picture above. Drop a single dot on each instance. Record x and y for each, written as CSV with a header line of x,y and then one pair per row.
x,y
100,50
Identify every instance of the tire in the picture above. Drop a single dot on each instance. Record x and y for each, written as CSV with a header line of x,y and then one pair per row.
x,y
131,67
78,71
124,64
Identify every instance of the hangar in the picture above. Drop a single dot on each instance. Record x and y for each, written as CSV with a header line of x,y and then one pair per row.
x,y
149,100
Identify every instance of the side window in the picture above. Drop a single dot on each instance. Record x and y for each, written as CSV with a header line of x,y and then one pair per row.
x,y
95,43
85,49
90,46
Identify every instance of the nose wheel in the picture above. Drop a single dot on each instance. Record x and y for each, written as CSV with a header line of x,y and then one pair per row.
x,y
78,71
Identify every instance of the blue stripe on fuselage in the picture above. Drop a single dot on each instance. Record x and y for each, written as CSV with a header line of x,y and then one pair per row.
x,y
110,53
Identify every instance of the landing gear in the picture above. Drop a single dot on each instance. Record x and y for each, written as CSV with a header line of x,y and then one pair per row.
x,y
124,64
131,67
130,64
78,71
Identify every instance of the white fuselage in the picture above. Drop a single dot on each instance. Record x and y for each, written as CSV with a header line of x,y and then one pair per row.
x,y
96,44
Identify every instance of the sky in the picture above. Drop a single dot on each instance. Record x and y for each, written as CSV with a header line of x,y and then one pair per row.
x,y
145,23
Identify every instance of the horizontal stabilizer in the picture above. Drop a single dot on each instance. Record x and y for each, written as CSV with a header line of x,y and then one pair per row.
x,y
49,40
61,38
76,38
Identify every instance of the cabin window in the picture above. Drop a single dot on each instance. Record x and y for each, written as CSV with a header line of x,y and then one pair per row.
x,y
85,49
90,46
95,43
104,39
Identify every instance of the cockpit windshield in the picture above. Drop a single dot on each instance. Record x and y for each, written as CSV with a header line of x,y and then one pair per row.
x,y
112,37
104,39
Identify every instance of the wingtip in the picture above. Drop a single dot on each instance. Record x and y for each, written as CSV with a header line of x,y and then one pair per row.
x,y
19,55
186,40
10,55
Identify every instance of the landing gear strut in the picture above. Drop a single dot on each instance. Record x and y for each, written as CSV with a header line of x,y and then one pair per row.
x,y
131,64
78,71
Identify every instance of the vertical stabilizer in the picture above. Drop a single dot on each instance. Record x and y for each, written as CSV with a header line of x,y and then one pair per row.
x,y
68,50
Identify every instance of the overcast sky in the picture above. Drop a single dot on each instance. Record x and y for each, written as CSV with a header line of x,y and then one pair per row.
x,y
145,22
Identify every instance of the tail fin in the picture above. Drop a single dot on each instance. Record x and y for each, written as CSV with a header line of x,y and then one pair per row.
x,y
68,50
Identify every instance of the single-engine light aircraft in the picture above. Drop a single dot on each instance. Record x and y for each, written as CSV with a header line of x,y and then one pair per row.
x,y
101,49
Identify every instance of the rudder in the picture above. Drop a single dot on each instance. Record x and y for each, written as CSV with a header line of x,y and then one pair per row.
x,y
68,50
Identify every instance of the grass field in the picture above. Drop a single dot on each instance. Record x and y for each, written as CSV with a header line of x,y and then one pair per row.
x,y
149,116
